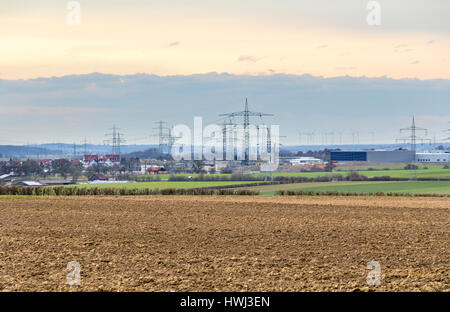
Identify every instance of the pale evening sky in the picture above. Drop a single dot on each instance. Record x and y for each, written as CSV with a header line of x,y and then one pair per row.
x,y
323,38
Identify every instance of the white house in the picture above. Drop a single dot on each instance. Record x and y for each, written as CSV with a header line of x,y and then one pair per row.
x,y
302,161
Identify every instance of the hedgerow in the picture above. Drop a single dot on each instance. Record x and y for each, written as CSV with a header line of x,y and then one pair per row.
x,y
105,191
336,193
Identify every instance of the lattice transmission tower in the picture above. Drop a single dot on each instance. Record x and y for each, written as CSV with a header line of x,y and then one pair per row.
x,y
246,114
165,137
116,138
412,138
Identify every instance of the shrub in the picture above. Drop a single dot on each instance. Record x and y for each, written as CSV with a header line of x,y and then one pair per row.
x,y
354,176
382,178
411,167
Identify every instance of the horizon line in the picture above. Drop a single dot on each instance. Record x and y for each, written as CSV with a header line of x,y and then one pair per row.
x,y
255,75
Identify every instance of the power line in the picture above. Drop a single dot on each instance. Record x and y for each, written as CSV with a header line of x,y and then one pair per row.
x,y
85,142
412,138
165,137
74,150
116,140
246,114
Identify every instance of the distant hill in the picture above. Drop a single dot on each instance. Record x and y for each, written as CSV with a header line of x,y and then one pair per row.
x,y
149,153
62,150
8,151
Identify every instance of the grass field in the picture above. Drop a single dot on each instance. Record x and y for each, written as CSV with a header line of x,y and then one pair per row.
x,y
431,172
421,173
435,171
413,187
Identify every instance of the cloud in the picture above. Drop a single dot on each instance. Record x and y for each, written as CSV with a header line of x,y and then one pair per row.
x,y
343,102
248,58
402,48
92,87
38,110
172,44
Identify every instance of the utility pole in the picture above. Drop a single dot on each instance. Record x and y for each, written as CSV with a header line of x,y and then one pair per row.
x,y
165,137
119,140
161,135
246,114
412,138
115,140
84,142
228,134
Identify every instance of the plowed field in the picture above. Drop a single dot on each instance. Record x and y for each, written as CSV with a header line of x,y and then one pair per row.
x,y
162,243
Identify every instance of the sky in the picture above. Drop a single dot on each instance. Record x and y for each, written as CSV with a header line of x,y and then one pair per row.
x,y
318,65
323,38
69,108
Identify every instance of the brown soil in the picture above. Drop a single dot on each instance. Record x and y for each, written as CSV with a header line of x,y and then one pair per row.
x,y
190,243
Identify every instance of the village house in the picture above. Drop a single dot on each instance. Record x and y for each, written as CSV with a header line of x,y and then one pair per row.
x,y
98,177
157,170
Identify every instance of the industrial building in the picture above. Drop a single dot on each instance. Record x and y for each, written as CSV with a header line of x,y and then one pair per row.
x,y
302,161
432,157
388,156
372,156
